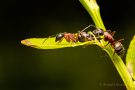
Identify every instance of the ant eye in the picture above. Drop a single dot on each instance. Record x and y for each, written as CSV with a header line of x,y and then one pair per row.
x,y
60,35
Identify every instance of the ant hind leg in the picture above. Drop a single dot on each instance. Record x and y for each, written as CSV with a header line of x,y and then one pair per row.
x,y
120,40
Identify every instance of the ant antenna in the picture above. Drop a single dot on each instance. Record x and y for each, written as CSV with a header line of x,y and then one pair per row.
x,y
47,38
44,40
89,27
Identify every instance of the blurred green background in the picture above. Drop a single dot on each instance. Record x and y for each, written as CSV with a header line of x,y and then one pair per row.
x,y
25,68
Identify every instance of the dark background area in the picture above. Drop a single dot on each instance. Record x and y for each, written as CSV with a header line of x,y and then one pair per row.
x,y
25,68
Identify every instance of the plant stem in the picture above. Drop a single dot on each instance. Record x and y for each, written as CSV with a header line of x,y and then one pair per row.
x,y
121,68
93,9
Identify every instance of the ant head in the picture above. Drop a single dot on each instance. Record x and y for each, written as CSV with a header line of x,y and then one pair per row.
x,y
98,32
83,37
59,37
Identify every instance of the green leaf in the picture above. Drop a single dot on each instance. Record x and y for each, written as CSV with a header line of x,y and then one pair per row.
x,y
130,58
49,43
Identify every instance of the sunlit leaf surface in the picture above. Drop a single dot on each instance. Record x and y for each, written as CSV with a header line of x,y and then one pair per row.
x,y
130,58
49,43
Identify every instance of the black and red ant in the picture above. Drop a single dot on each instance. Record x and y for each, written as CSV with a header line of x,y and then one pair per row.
x,y
108,36
81,36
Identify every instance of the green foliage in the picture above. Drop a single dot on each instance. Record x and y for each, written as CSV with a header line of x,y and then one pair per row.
x,y
130,58
93,9
49,43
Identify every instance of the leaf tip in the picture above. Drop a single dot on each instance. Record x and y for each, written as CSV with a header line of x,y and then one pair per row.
x,y
28,43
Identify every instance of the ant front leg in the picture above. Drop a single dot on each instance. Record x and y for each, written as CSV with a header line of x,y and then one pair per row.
x,y
112,33
109,31
59,41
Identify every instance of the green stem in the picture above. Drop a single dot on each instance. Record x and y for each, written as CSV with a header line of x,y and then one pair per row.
x,y
93,9
121,68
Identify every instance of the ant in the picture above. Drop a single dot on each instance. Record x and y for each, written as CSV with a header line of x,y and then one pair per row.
x,y
108,36
81,36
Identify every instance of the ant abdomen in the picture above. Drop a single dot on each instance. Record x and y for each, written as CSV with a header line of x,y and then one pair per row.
x,y
119,48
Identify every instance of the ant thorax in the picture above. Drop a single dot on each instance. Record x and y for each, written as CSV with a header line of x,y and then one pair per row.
x,y
70,37
108,37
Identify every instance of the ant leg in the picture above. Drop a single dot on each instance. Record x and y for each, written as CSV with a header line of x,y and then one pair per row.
x,y
59,41
120,40
113,33
109,31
